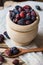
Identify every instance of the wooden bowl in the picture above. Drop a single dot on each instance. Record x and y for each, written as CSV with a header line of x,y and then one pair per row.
x,y
22,35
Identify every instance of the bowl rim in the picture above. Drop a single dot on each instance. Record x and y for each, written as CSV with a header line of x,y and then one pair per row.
x,y
16,26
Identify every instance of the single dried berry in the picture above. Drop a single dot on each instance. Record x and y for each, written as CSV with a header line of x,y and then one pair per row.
x,y
5,33
38,7
14,50
16,62
1,38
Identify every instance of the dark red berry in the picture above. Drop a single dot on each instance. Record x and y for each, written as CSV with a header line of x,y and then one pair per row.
x,y
22,14
38,7
16,62
1,38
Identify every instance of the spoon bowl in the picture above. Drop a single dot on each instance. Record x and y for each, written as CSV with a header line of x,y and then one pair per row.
x,y
24,51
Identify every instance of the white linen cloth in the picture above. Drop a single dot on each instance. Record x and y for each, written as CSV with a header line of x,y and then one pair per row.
x,y
29,58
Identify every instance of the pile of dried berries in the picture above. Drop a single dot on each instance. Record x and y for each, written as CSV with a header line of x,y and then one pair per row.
x,y
23,15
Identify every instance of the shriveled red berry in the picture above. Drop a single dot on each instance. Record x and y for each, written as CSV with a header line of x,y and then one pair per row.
x,y
5,33
16,62
15,50
8,52
22,14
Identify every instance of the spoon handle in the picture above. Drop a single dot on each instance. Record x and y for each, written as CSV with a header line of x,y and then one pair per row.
x,y
33,50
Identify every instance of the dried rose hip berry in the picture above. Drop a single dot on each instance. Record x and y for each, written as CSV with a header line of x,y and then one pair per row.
x,y
16,62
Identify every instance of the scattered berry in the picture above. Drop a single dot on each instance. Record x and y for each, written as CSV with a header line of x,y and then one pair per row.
x,y
5,33
38,7
16,62
1,38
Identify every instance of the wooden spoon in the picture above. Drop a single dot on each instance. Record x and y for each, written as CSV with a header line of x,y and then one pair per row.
x,y
24,51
